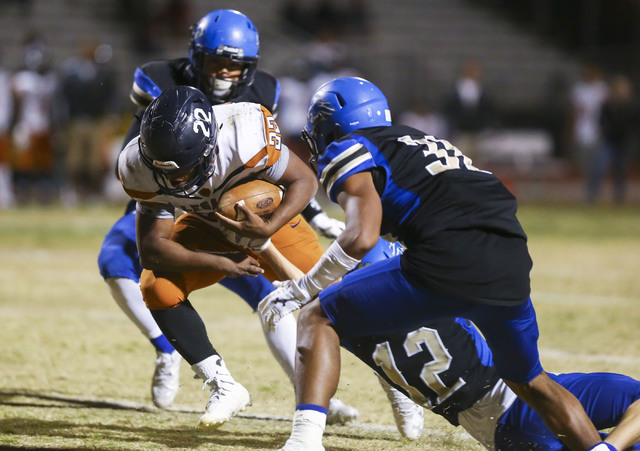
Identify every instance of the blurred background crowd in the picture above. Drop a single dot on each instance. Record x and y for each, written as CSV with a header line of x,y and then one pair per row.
x,y
543,93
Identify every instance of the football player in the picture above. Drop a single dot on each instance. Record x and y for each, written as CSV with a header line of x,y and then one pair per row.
x,y
187,154
447,367
222,62
466,257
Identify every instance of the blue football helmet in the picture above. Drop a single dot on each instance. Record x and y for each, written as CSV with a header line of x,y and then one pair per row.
x,y
178,136
340,107
381,251
227,35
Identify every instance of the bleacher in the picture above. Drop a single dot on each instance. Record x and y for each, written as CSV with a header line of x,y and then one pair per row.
x,y
415,47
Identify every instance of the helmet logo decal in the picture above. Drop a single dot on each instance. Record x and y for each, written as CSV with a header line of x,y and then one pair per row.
x,y
323,109
203,120
230,51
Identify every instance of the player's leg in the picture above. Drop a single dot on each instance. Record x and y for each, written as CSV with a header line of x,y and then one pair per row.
x,y
627,433
512,335
166,376
282,340
184,327
300,245
316,379
358,305
119,265
408,416
608,399
166,295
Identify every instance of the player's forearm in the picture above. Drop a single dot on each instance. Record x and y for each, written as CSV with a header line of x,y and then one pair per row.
x,y
333,264
170,256
296,198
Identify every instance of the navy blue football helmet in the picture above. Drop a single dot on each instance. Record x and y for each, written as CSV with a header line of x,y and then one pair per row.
x,y
178,136
340,107
228,35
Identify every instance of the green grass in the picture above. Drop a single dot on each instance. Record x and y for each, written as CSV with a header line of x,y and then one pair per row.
x,y
75,372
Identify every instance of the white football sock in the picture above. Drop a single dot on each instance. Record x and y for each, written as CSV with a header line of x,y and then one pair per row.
x,y
308,428
282,343
128,296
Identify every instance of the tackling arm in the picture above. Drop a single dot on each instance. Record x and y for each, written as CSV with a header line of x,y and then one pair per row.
x,y
363,211
363,215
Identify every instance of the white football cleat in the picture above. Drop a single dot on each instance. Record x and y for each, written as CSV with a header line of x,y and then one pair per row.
x,y
408,415
228,398
288,447
166,379
340,413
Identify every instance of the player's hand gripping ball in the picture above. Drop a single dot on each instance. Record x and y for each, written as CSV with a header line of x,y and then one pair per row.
x,y
261,197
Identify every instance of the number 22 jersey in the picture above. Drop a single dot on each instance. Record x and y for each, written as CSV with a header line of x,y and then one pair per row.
x,y
458,223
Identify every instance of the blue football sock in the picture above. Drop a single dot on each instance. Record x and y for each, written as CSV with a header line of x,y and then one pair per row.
x,y
162,344
315,407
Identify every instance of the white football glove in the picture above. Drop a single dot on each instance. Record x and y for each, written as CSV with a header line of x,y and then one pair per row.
x,y
284,300
327,226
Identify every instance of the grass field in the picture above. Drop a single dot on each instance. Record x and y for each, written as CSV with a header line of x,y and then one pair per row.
x,y
75,373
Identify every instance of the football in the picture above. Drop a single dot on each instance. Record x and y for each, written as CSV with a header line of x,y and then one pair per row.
x,y
261,197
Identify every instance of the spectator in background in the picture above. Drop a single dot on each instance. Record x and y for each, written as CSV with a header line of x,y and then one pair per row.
x,y
618,123
421,117
6,109
587,96
90,101
469,109
556,112
33,88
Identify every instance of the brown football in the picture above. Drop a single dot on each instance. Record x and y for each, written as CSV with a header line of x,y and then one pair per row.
x,y
261,197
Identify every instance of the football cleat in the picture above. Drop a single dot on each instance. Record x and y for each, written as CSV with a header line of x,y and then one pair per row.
x,y
340,413
289,447
408,415
166,379
228,398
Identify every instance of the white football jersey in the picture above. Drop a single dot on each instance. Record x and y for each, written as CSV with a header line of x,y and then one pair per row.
x,y
249,145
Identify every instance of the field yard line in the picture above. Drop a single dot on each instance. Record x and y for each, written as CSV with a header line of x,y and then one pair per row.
x,y
566,355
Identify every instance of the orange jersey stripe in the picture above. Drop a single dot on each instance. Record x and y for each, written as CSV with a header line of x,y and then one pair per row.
x,y
141,195
274,141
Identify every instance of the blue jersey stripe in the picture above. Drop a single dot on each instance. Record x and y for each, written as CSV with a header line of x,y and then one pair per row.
x,y
143,83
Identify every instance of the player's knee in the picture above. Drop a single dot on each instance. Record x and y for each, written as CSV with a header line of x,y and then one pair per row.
x,y
160,294
312,315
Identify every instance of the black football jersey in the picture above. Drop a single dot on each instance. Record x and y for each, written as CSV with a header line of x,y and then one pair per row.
x,y
152,78
445,366
458,223
156,76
